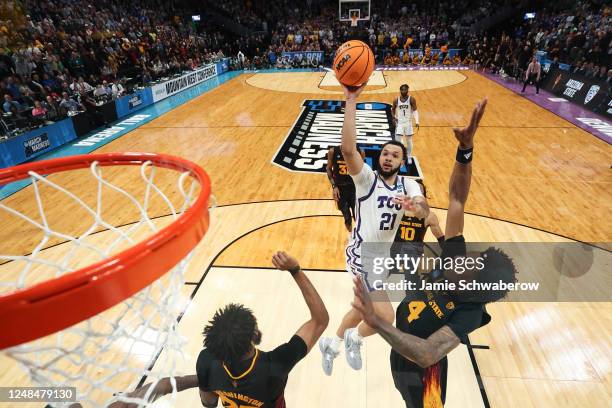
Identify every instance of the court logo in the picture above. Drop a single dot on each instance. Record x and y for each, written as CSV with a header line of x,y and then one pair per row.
x,y
591,94
319,127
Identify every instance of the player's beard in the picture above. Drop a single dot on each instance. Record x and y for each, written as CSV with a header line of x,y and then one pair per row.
x,y
390,173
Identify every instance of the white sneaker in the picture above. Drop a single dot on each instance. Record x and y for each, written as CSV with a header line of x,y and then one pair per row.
x,y
352,349
409,159
328,354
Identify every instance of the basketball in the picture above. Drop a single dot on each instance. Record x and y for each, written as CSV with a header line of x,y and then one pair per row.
x,y
354,63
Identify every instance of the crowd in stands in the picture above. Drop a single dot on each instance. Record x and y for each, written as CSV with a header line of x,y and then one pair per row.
x,y
579,36
62,57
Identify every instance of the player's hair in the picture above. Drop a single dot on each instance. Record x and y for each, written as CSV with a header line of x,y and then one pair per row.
x,y
498,266
230,333
420,181
397,143
404,85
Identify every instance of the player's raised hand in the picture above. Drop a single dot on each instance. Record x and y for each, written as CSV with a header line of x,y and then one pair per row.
x,y
363,303
285,262
352,92
406,202
465,136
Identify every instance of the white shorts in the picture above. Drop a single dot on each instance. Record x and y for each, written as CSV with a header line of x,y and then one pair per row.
x,y
355,267
403,129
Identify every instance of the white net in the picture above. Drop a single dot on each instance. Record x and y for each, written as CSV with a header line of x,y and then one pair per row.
x,y
112,352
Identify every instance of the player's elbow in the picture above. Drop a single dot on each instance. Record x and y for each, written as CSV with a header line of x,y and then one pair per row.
x,y
427,360
321,321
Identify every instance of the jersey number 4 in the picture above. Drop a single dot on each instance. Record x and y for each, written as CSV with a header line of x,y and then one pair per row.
x,y
388,221
414,309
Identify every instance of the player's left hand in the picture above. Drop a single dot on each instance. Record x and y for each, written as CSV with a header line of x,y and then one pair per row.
x,y
283,261
465,136
406,202
363,303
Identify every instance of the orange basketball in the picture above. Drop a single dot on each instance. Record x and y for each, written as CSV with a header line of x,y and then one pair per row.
x,y
354,63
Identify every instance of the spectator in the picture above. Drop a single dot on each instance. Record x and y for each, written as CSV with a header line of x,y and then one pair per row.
x,y
68,105
53,109
10,104
39,111
117,90
102,90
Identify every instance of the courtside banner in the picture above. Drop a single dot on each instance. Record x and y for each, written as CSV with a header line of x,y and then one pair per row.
x,y
304,55
592,94
176,85
133,102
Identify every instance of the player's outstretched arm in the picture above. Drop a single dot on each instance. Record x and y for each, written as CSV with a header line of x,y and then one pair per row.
x,y
434,225
424,352
459,184
354,163
319,318
161,388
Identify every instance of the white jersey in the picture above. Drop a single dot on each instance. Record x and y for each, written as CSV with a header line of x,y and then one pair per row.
x,y
377,217
403,111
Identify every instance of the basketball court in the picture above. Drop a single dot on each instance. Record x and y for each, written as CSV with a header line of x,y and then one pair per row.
x,y
537,178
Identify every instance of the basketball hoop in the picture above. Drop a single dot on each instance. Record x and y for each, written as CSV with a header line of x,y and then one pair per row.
x,y
61,321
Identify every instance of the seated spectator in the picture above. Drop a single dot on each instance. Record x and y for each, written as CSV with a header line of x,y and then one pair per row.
x,y
406,58
39,111
389,59
396,59
117,90
53,109
102,90
9,104
68,105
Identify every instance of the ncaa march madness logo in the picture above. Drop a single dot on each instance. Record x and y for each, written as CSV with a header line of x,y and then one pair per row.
x,y
319,127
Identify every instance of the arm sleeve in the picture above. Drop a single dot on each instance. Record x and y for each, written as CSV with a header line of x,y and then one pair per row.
x,y
202,367
286,356
465,320
454,246
364,179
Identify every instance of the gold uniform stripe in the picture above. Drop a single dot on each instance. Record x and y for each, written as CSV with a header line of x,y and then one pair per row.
x,y
246,372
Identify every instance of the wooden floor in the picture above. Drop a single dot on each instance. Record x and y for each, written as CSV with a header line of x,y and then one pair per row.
x,y
537,178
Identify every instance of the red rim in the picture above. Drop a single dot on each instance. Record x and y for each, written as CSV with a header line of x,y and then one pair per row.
x,y
56,304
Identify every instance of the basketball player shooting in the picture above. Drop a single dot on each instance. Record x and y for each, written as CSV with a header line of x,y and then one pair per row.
x,y
431,323
382,199
404,109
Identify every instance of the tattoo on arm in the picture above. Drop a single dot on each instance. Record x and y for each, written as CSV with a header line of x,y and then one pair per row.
x,y
424,352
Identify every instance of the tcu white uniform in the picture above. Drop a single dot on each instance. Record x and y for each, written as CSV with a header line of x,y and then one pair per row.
x,y
403,113
377,216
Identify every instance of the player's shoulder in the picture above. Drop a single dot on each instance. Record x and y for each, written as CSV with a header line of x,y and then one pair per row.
x,y
205,361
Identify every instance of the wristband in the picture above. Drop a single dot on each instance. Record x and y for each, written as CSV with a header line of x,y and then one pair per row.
x,y
295,270
464,156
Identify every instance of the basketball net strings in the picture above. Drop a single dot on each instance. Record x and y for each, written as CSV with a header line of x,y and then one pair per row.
x,y
109,353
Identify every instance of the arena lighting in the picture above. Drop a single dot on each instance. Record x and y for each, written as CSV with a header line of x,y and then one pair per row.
x,y
196,18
